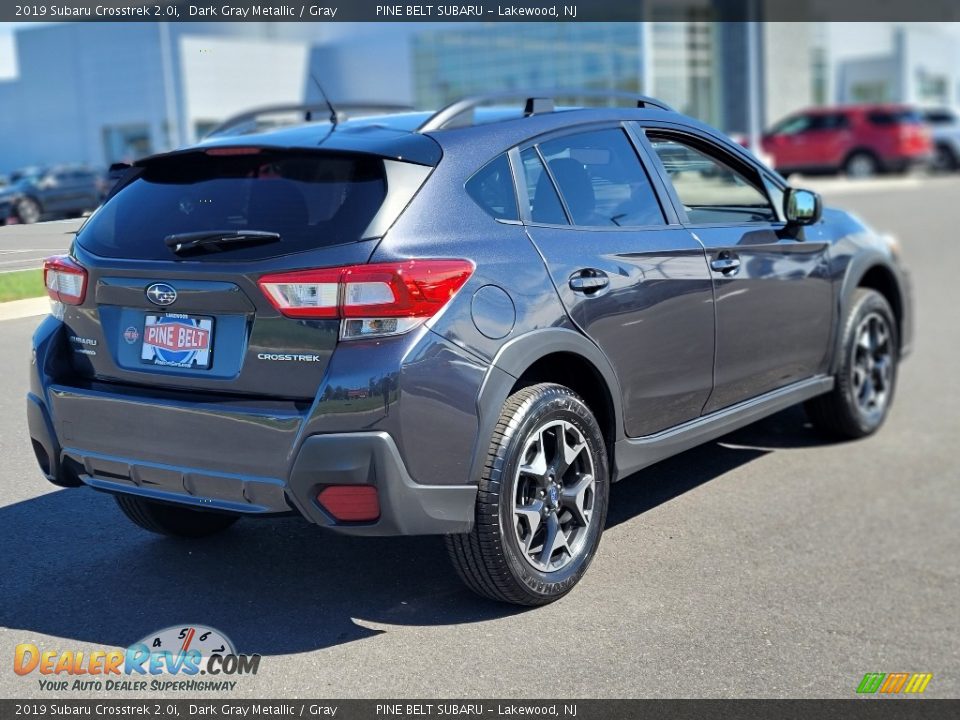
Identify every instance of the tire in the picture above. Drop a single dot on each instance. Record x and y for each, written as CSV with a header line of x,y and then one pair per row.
x,y
861,164
28,211
171,520
861,398
944,159
505,557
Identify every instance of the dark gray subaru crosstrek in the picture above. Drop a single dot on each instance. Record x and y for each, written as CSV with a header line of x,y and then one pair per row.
x,y
467,324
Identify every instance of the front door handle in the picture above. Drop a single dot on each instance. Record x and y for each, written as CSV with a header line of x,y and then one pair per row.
x,y
726,264
589,281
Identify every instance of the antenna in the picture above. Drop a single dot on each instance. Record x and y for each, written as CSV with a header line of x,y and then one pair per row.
x,y
333,113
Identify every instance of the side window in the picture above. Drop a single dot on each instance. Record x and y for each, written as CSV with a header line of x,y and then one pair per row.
x,y
545,204
491,188
792,126
711,190
601,180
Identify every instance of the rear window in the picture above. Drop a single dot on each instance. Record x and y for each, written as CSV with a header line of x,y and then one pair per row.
x,y
894,117
310,199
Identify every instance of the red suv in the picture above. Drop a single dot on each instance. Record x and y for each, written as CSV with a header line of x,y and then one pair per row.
x,y
860,140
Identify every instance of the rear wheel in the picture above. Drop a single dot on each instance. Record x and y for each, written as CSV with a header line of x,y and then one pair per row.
x,y
542,501
172,520
28,210
861,164
864,388
944,159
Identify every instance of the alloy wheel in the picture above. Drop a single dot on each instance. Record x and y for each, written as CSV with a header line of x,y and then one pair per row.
x,y
872,365
554,495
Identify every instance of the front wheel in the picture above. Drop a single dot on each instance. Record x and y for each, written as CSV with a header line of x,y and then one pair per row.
x,y
172,520
867,375
542,500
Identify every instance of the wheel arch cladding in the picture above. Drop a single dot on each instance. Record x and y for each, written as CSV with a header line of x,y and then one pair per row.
x,y
880,278
556,355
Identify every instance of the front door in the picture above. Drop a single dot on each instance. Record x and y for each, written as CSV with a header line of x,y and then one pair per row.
x,y
774,297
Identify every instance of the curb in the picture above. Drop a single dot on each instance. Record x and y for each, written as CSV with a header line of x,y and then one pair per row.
x,y
19,309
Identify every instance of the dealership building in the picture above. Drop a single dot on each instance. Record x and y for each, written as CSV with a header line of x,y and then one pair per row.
x,y
99,93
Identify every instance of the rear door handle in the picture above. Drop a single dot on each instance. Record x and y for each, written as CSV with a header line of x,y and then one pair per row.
x,y
589,281
725,265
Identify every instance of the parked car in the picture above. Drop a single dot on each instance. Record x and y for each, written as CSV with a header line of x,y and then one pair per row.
x,y
39,192
858,140
467,323
945,125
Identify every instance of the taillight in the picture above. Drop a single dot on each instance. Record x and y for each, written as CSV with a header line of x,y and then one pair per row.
x,y
65,279
371,300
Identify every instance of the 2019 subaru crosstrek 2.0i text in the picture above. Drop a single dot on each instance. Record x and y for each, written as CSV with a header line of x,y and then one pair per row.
x,y
465,324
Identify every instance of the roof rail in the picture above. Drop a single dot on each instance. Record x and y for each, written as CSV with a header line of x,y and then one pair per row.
x,y
535,103
310,111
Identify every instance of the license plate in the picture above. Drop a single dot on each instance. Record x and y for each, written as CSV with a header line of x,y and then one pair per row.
x,y
177,341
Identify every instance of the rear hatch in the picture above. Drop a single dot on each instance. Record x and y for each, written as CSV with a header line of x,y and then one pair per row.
x,y
173,260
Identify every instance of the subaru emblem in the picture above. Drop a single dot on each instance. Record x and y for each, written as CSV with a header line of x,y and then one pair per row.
x,y
161,294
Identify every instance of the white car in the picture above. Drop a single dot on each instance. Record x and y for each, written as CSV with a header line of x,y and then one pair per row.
x,y
945,126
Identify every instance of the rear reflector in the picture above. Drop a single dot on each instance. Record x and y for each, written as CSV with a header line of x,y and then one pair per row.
x,y
350,503
65,279
373,300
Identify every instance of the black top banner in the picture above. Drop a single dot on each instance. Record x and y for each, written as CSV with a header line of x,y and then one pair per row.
x,y
516,11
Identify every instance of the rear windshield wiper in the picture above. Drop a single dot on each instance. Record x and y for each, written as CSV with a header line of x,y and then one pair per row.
x,y
217,240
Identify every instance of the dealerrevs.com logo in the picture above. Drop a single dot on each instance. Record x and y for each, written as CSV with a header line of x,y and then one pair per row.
x,y
177,658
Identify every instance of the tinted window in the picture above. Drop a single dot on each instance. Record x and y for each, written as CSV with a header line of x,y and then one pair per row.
x,y
808,123
492,189
545,204
894,117
311,200
939,117
601,180
710,189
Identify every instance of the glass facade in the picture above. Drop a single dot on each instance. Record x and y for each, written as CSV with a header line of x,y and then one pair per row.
x,y
449,64
683,57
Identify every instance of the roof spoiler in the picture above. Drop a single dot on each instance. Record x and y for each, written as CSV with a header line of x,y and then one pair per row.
x,y
534,103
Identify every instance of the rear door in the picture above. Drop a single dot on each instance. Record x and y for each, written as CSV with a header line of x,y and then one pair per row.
x,y
629,275
774,297
165,313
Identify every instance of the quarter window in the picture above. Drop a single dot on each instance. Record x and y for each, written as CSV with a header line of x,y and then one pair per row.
x,y
491,188
601,180
710,189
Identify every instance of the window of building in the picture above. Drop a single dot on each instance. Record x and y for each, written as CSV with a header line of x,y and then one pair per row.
x,y
601,180
491,188
711,190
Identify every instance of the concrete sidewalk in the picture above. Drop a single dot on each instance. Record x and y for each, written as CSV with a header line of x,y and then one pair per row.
x,y
30,307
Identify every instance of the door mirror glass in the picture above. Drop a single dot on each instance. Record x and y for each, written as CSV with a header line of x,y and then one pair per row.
x,y
802,207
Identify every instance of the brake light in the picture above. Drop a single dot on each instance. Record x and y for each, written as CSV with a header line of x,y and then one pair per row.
x,y
371,300
65,279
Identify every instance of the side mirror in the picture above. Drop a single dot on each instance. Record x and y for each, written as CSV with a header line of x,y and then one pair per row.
x,y
802,207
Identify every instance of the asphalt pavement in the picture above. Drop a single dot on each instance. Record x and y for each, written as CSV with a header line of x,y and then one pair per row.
x,y
768,564
23,247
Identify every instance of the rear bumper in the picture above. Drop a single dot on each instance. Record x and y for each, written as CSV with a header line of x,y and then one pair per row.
x,y
361,458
